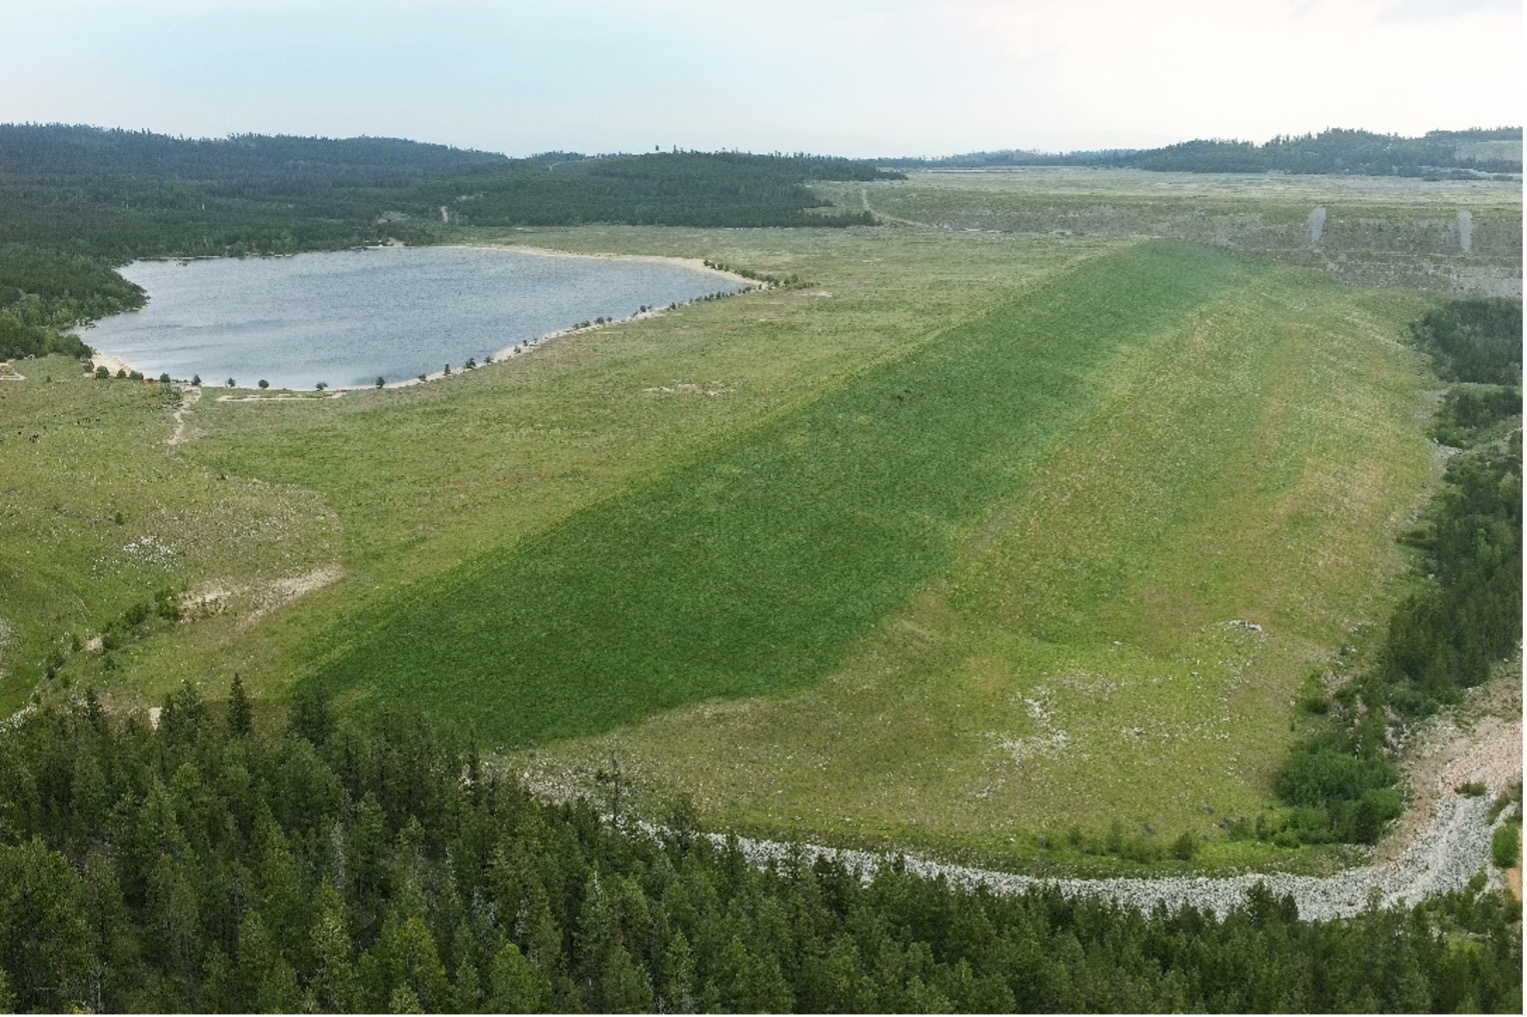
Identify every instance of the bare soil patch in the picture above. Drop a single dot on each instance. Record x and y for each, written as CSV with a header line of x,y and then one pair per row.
x,y
261,598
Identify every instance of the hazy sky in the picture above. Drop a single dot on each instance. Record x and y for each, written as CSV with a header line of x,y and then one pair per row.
x,y
848,77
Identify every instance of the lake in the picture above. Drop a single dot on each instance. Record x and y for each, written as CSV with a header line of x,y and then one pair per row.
x,y
347,317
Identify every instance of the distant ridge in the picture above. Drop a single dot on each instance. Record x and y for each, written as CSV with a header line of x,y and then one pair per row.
x,y
66,148
1467,153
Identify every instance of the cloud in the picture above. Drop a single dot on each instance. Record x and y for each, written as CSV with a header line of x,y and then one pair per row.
x,y
1426,10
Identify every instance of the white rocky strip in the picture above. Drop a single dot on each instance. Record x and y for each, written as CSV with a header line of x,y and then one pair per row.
x,y
1443,857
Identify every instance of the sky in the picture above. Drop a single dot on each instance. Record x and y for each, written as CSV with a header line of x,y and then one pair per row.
x,y
860,78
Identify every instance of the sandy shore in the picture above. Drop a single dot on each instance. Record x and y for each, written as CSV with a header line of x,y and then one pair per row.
x,y
111,363
652,259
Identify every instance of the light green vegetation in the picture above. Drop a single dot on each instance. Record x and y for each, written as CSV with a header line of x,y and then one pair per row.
x,y
97,515
1486,150
977,620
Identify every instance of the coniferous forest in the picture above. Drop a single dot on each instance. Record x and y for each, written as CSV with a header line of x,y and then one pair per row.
x,y
218,865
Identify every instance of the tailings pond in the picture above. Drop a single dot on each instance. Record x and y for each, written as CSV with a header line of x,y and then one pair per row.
x,y
348,317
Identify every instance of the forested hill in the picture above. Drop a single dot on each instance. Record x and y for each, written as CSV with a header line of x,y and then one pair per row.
x,y
1435,154
659,189
71,150
117,194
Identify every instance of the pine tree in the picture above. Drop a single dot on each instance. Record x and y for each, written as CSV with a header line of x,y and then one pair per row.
x,y
171,914
622,987
240,714
89,800
332,986
7,997
676,977
45,941
218,992
266,982
513,985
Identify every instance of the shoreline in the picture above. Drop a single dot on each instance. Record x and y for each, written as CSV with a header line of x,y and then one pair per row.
x,y
115,363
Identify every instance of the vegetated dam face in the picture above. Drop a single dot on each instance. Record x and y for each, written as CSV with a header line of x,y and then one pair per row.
x,y
347,318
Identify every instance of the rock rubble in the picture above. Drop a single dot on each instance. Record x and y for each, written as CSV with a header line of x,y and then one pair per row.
x,y
1444,856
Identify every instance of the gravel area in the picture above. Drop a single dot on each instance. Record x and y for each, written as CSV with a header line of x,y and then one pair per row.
x,y
1441,852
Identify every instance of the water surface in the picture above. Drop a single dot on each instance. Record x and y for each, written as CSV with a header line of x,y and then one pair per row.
x,y
347,317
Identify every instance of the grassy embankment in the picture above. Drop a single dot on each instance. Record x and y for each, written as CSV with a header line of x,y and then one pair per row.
x,y
1043,641
96,518
1077,657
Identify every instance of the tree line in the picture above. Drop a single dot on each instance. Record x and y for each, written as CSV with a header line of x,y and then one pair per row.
x,y
216,864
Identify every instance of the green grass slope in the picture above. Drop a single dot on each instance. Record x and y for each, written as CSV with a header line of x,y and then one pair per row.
x,y
754,568
1123,636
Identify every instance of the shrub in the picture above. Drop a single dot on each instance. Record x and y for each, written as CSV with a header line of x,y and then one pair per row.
x,y
167,604
102,373
1374,809
1142,849
1325,774
1312,695
264,384
1504,846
